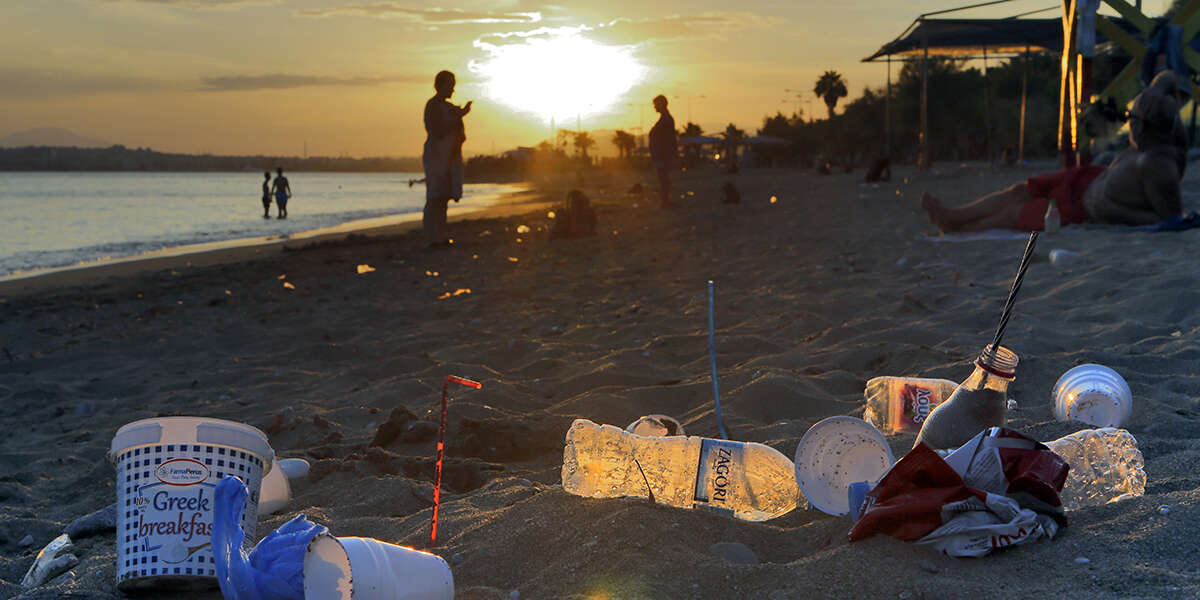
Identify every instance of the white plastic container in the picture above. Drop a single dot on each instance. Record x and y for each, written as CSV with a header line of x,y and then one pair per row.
x,y
354,568
167,469
1093,394
835,453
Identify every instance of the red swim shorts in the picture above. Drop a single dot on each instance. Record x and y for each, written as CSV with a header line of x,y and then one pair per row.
x,y
1067,187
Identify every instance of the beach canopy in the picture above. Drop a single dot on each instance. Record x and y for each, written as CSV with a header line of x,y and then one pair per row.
x,y
968,37
765,140
965,37
697,140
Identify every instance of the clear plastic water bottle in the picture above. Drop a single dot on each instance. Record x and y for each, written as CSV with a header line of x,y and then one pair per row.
x,y
1106,466
743,479
901,404
1052,221
979,402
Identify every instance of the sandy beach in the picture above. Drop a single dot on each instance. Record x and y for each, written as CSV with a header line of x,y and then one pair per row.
x,y
822,283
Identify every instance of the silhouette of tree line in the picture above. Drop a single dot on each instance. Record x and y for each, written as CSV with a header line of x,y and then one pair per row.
x,y
120,158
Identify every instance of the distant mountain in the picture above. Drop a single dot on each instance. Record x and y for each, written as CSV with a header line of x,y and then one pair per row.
x,y
50,136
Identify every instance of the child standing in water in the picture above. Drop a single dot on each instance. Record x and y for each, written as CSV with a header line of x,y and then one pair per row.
x,y
266,197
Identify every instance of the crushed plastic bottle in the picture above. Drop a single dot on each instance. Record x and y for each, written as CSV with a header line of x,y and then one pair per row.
x,y
743,479
901,404
1106,466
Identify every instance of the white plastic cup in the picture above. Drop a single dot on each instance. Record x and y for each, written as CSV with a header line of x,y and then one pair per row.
x,y
1093,394
1062,257
835,453
167,470
656,426
354,568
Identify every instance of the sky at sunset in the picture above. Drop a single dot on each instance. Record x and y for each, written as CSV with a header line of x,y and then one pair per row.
x,y
351,76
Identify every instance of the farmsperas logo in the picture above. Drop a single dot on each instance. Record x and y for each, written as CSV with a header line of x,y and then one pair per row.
x,y
181,471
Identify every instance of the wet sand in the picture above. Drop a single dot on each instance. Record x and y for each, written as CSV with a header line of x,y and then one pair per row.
x,y
831,284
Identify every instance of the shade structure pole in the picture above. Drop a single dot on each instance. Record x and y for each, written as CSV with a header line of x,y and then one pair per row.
x,y
1067,93
987,110
887,113
1024,94
923,161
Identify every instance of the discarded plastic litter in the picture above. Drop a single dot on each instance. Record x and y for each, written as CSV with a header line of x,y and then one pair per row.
x,y
1093,394
277,485
302,561
744,479
274,569
961,504
1060,257
656,426
835,453
978,403
354,568
54,559
1106,466
167,469
901,404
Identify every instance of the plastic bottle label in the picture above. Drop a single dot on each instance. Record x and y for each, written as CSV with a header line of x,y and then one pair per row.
x,y
720,462
916,402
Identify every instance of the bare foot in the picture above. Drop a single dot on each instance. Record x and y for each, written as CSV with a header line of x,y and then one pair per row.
x,y
933,206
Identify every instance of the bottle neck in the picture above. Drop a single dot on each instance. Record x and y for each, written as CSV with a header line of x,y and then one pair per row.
x,y
983,378
995,368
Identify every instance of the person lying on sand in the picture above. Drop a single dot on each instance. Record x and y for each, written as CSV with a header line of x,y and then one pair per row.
x,y
1140,187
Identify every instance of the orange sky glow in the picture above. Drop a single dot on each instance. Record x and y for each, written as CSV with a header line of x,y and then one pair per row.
x,y
350,77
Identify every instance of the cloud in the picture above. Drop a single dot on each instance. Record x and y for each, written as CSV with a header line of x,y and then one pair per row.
x,y
713,24
200,4
633,32
424,16
279,81
42,83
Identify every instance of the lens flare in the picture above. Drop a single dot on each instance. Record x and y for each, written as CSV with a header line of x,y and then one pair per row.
x,y
557,74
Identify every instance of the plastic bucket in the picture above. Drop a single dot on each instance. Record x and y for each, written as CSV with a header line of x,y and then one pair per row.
x,y
354,568
835,453
167,469
1093,394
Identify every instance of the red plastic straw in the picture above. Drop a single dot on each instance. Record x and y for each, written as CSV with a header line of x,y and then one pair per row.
x,y
441,446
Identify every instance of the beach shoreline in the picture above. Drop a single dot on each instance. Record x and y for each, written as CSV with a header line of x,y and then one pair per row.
x,y
821,284
243,249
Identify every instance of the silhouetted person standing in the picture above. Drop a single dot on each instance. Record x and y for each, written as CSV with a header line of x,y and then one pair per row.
x,y
282,191
442,157
664,145
266,199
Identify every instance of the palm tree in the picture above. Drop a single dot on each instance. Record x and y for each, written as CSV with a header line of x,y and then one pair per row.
x,y
583,141
831,87
692,130
624,143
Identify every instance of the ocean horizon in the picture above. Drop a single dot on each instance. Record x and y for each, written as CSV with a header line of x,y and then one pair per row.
x,y
61,219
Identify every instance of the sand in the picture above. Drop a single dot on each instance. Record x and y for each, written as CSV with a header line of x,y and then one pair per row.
x,y
833,283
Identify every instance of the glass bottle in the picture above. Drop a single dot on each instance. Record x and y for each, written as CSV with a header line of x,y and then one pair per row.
x,y
979,402
1052,221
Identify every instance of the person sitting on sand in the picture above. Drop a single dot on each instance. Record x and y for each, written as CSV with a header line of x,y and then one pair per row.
x,y
1140,187
282,191
266,198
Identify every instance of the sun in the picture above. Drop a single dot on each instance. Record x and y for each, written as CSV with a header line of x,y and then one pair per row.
x,y
559,74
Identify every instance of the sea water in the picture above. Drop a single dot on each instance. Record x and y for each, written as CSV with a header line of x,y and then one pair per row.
x,y
57,219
